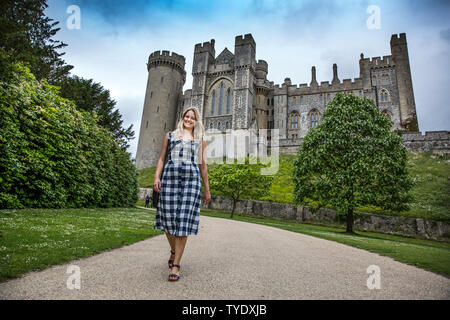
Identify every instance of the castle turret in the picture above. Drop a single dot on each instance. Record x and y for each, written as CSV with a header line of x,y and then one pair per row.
x,y
335,75
166,77
204,55
364,72
244,92
399,50
313,83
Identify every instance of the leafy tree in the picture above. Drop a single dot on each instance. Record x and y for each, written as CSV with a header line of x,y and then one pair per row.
x,y
26,35
238,181
92,97
352,159
53,155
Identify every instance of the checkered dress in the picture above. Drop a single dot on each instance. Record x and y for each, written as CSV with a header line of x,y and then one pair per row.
x,y
178,211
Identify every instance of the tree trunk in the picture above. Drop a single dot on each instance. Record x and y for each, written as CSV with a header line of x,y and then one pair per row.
x,y
349,220
232,211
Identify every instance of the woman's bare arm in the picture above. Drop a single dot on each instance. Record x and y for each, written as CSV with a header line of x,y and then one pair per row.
x,y
204,167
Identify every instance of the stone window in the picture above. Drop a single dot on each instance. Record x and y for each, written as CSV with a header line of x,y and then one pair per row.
x,y
219,126
301,99
221,98
294,120
374,80
384,95
387,114
210,125
385,79
314,116
227,126
213,102
228,101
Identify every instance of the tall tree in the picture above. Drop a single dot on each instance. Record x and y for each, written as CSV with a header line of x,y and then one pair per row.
x,y
352,159
26,35
92,97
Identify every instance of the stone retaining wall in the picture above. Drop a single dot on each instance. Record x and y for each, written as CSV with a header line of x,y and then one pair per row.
x,y
405,226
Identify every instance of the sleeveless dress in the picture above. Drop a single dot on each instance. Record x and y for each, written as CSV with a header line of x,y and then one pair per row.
x,y
178,211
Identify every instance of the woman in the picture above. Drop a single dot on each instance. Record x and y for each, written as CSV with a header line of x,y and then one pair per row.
x,y
178,211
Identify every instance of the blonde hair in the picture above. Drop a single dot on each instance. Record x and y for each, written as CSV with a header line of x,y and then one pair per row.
x,y
199,130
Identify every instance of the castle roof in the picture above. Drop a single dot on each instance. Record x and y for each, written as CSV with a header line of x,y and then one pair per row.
x,y
225,56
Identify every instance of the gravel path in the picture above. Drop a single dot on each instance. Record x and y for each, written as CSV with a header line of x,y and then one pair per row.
x,y
233,260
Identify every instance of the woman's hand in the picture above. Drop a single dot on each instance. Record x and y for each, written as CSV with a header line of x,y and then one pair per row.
x,y
206,197
157,185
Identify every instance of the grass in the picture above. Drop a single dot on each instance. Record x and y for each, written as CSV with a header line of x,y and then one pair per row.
x,y
427,254
431,193
34,239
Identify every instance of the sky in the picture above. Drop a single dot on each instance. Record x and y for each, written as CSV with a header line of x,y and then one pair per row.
x,y
115,38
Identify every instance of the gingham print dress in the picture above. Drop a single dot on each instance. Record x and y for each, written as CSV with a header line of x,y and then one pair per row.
x,y
178,211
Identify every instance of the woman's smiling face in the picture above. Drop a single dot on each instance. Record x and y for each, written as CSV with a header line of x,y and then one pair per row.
x,y
189,119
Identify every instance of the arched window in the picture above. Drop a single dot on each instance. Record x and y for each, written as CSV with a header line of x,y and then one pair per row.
x,y
294,120
213,102
301,99
387,114
228,125
219,126
210,125
221,98
384,95
272,101
228,101
374,80
314,116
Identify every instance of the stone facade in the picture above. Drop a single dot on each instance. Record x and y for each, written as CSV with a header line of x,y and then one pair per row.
x,y
232,92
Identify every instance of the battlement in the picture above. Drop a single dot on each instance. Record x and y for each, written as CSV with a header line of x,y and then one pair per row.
x,y
325,86
396,40
246,39
378,62
167,56
205,47
262,64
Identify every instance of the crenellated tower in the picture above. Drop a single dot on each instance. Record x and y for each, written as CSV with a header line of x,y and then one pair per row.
x,y
204,55
399,50
166,77
244,79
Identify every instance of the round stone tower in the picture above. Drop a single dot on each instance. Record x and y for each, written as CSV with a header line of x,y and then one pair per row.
x,y
166,77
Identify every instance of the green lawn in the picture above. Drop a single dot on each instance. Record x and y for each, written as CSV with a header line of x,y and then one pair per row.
x,y
431,193
34,239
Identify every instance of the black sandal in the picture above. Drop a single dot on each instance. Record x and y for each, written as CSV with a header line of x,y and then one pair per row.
x,y
173,275
171,261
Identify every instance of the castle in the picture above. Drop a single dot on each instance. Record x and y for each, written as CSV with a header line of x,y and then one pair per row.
x,y
232,92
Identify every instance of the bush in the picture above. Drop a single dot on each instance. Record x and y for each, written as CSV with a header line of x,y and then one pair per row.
x,y
54,156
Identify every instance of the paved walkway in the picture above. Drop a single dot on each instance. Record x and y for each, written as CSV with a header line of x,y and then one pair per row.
x,y
233,260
